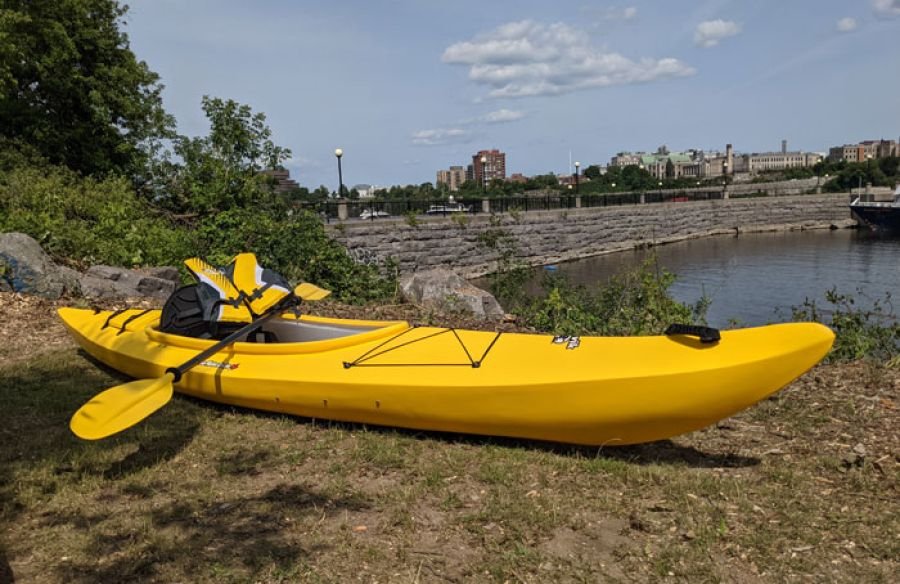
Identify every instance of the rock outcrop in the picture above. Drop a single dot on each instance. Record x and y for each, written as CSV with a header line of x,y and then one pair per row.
x,y
449,292
113,282
26,268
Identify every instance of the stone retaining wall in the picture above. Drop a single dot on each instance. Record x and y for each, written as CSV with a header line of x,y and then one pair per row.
x,y
546,237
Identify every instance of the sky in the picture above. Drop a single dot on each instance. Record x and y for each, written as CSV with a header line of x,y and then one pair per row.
x,y
407,87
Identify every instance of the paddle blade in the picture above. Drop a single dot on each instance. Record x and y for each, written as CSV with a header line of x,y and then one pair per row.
x,y
121,407
310,292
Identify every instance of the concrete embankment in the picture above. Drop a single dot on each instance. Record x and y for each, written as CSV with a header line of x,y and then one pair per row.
x,y
544,237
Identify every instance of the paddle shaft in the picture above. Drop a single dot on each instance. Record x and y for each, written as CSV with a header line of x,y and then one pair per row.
x,y
177,372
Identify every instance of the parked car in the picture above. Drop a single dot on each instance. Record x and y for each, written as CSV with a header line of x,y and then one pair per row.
x,y
447,208
370,214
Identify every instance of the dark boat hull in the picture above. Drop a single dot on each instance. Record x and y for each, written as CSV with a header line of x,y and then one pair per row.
x,y
884,217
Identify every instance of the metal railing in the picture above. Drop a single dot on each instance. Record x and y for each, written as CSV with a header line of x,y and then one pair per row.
x,y
376,209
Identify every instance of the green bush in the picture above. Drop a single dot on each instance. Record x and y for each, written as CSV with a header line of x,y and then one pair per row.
x,y
872,333
298,248
84,221
87,221
636,302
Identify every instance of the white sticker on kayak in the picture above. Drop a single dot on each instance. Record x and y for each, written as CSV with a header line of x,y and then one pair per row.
x,y
220,365
570,342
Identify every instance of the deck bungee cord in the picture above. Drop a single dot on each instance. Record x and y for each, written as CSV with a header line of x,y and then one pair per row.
x,y
361,361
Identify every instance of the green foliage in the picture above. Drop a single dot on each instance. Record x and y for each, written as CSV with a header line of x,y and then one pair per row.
x,y
87,220
220,171
412,218
636,302
296,247
72,90
844,176
216,202
507,281
872,333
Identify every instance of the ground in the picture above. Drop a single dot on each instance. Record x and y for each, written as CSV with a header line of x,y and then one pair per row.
x,y
802,487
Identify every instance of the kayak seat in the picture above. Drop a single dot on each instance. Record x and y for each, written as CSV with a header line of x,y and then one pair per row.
x,y
261,288
238,292
183,314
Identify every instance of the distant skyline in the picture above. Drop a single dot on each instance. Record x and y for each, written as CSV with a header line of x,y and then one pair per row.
x,y
409,87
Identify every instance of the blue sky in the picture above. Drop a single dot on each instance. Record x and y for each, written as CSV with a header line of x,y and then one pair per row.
x,y
407,87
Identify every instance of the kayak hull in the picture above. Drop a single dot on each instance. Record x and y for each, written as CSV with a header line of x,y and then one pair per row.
x,y
593,390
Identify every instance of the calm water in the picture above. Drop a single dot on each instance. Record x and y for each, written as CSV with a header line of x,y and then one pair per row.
x,y
757,278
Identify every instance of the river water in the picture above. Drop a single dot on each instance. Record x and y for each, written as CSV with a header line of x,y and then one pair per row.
x,y
756,279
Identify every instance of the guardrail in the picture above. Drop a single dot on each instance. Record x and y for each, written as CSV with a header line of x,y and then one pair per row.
x,y
375,209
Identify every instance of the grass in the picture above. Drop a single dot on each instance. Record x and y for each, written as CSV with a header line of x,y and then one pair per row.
x,y
802,487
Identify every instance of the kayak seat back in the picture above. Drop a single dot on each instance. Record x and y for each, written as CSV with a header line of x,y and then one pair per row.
x,y
239,292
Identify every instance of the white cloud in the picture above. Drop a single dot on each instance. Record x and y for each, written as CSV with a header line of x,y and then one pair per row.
x,y
610,13
528,58
501,116
439,136
888,8
302,162
846,24
710,32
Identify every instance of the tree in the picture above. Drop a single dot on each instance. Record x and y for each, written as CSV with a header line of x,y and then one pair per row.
x,y
72,90
222,170
592,172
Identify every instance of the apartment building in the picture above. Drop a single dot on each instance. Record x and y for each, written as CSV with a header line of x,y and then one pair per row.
x,y
864,150
453,178
493,167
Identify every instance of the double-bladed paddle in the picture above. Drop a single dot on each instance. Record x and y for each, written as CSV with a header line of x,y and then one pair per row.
x,y
125,405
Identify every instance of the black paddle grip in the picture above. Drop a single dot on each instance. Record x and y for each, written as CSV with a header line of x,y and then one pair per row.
x,y
705,333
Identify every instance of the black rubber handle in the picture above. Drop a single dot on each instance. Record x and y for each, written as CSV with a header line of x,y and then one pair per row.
x,y
706,334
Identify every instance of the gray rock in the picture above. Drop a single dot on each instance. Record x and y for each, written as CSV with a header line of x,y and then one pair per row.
x,y
26,268
447,290
164,272
112,282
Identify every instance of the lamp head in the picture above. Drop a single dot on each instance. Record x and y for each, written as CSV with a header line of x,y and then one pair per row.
x,y
338,152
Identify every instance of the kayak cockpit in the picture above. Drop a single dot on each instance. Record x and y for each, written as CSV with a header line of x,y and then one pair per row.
x,y
288,334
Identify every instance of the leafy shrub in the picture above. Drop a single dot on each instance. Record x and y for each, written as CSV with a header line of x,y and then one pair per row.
x,y
83,221
636,302
87,220
297,247
872,333
507,281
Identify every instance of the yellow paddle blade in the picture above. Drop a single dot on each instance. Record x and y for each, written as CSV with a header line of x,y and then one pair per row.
x,y
121,407
310,292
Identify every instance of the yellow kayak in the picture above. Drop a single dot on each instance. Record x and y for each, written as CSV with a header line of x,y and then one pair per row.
x,y
588,390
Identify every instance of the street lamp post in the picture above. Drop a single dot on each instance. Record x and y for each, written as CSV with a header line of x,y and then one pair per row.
x,y
577,165
484,174
641,178
724,179
339,154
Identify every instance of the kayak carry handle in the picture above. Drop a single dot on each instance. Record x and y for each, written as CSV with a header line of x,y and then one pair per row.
x,y
706,334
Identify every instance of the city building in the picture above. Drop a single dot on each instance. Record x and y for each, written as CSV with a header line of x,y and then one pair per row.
x,y
365,191
453,178
698,164
664,164
281,180
494,166
757,162
517,177
864,150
